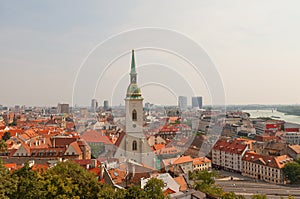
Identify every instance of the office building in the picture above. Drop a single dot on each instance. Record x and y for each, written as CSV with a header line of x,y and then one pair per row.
x,y
197,102
182,102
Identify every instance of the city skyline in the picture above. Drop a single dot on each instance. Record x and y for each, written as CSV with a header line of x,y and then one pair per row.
x,y
254,46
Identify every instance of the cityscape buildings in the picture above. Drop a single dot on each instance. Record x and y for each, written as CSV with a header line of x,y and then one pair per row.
x,y
197,102
182,103
94,105
63,108
130,145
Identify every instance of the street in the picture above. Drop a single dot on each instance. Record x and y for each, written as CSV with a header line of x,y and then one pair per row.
x,y
247,187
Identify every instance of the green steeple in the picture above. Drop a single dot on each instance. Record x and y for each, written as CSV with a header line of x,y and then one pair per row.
x,y
133,91
132,63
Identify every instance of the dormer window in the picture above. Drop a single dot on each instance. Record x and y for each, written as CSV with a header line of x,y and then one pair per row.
x,y
134,115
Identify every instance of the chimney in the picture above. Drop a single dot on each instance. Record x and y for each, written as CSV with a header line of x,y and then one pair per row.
x,y
101,170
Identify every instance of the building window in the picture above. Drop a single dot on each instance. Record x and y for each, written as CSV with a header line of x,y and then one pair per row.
x,y
134,115
134,145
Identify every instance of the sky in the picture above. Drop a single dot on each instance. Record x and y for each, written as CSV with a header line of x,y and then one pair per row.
x,y
45,48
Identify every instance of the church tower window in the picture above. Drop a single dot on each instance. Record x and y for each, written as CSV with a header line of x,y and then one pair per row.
x,y
134,115
134,145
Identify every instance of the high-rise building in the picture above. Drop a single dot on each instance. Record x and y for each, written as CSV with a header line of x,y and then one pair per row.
x,y
197,102
94,105
63,108
105,105
133,144
182,102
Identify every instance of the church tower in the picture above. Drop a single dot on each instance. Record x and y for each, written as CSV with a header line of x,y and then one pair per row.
x,y
133,145
134,105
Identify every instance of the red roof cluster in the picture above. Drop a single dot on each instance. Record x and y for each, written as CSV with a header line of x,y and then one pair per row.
x,y
227,146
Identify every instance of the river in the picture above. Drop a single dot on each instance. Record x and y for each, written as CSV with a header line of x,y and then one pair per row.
x,y
269,113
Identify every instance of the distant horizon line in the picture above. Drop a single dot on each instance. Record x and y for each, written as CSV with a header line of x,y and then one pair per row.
x,y
168,105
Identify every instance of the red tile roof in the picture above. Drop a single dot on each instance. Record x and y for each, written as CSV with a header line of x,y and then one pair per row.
x,y
182,183
201,160
95,136
227,146
295,148
270,161
121,136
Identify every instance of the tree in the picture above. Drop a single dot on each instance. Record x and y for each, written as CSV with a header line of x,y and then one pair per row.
x,y
7,183
153,189
28,183
204,181
135,192
232,195
259,196
6,136
3,146
106,192
292,171
70,180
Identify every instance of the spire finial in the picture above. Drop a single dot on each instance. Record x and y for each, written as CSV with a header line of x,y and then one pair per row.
x,y
132,63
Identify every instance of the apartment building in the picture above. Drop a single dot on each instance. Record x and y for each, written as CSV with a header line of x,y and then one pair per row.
x,y
266,168
228,155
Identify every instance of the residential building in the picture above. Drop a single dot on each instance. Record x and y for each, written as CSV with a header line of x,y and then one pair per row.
x,y
271,148
294,151
292,137
100,144
266,168
267,126
170,185
183,163
227,155
201,163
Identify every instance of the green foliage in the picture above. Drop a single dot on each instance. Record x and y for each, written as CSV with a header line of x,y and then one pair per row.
x,y
69,180
292,171
232,195
3,146
204,176
135,192
28,183
259,196
153,189
107,192
205,182
7,183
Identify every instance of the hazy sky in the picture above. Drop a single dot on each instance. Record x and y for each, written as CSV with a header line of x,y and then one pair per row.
x,y
255,45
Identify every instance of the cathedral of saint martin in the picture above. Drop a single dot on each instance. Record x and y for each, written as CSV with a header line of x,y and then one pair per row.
x,y
133,145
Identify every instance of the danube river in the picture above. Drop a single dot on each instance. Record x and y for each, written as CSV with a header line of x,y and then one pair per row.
x,y
269,113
